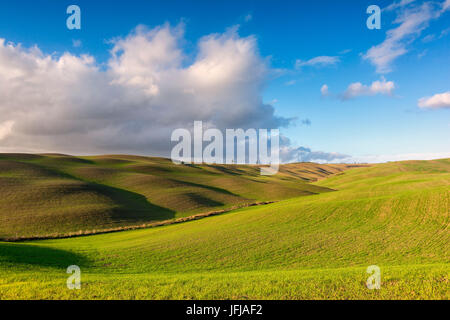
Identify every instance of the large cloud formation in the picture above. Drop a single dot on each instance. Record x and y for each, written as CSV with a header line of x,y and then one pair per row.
x,y
149,87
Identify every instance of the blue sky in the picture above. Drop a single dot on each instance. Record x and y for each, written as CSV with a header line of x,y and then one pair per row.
x,y
374,122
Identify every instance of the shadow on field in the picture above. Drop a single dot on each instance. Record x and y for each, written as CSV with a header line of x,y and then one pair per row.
x,y
204,201
39,256
204,186
228,170
132,206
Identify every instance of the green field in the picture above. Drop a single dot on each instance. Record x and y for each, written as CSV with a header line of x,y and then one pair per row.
x,y
56,195
316,246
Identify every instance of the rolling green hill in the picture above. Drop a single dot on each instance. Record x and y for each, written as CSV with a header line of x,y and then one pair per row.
x,y
393,215
55,195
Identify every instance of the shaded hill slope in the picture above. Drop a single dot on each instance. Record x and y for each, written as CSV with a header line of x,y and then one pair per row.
x,y
56,194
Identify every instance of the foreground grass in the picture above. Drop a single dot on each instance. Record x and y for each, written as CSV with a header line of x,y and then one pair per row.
x,y
410,282
392,215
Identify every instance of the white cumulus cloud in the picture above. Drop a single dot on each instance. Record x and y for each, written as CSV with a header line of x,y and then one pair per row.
x,y
324,90
149,87
319,61
377,87
438,101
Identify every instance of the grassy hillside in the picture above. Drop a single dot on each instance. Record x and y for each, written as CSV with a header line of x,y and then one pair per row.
x,y
52,194
394,215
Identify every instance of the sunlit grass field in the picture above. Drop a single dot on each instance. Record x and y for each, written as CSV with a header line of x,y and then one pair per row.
x,y
393,215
